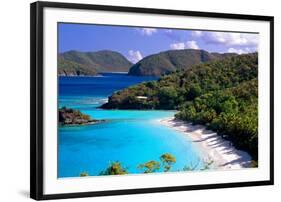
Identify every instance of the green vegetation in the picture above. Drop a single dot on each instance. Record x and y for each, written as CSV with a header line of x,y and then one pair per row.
x,y
167,159
150,166
206,165
169,61
221,94
254,164
68,116
115,168
76,63
84,174
91,63
232,112
71,68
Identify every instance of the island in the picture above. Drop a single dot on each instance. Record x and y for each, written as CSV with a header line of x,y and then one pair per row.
x,y
172,100
77,63
73,117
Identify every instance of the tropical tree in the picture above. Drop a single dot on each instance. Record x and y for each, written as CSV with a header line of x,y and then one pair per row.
x,y
167,160
84,174
115,168
150,166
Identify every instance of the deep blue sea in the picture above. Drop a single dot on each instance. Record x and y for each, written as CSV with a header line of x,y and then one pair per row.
x,y
129,136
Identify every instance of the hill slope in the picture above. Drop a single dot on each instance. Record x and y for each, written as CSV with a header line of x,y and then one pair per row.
x,y
221,94
70,68
100,61
169,61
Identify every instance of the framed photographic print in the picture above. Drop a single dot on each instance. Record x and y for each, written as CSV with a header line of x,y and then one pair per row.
x,y
134,100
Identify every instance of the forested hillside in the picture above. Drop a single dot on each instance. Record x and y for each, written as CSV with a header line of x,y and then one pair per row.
x,y
221,94
91,62
169,61
70,68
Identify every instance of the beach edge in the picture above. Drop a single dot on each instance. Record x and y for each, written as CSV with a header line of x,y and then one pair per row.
x,y
212,146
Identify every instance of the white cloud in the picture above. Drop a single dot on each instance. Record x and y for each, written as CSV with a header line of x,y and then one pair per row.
x,y
240,50
191,45
134,56
177,46
197,33
231,39
147,31
187,45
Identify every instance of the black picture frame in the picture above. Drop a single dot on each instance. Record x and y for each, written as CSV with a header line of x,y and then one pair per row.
x,y
36,99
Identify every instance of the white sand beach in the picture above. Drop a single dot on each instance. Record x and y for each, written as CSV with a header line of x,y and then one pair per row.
x,y
212,146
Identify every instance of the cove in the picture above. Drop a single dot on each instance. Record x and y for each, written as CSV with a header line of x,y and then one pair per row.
x,y
131,137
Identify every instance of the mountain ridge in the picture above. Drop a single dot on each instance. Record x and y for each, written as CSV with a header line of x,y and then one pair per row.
x,y
168,61
92,63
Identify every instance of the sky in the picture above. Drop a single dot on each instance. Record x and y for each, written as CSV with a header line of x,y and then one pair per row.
x,y
136,43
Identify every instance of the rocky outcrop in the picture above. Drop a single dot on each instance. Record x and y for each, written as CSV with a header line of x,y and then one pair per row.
x,y
68,116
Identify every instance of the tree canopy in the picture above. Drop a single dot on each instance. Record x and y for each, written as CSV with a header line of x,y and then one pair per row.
x,y
221,94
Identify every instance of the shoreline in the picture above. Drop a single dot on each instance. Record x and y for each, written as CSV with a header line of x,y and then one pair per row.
x,y
99,74
83,124
212,146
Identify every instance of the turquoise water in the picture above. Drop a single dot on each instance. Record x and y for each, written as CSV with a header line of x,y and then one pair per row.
x,y
129,136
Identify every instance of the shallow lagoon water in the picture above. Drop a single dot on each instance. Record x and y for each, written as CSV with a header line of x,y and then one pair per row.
x,y
129,136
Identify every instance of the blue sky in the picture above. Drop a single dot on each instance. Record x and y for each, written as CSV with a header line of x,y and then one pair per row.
x,y
138,42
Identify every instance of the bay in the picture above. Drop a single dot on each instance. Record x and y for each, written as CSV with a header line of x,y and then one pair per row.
x,y
128,136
